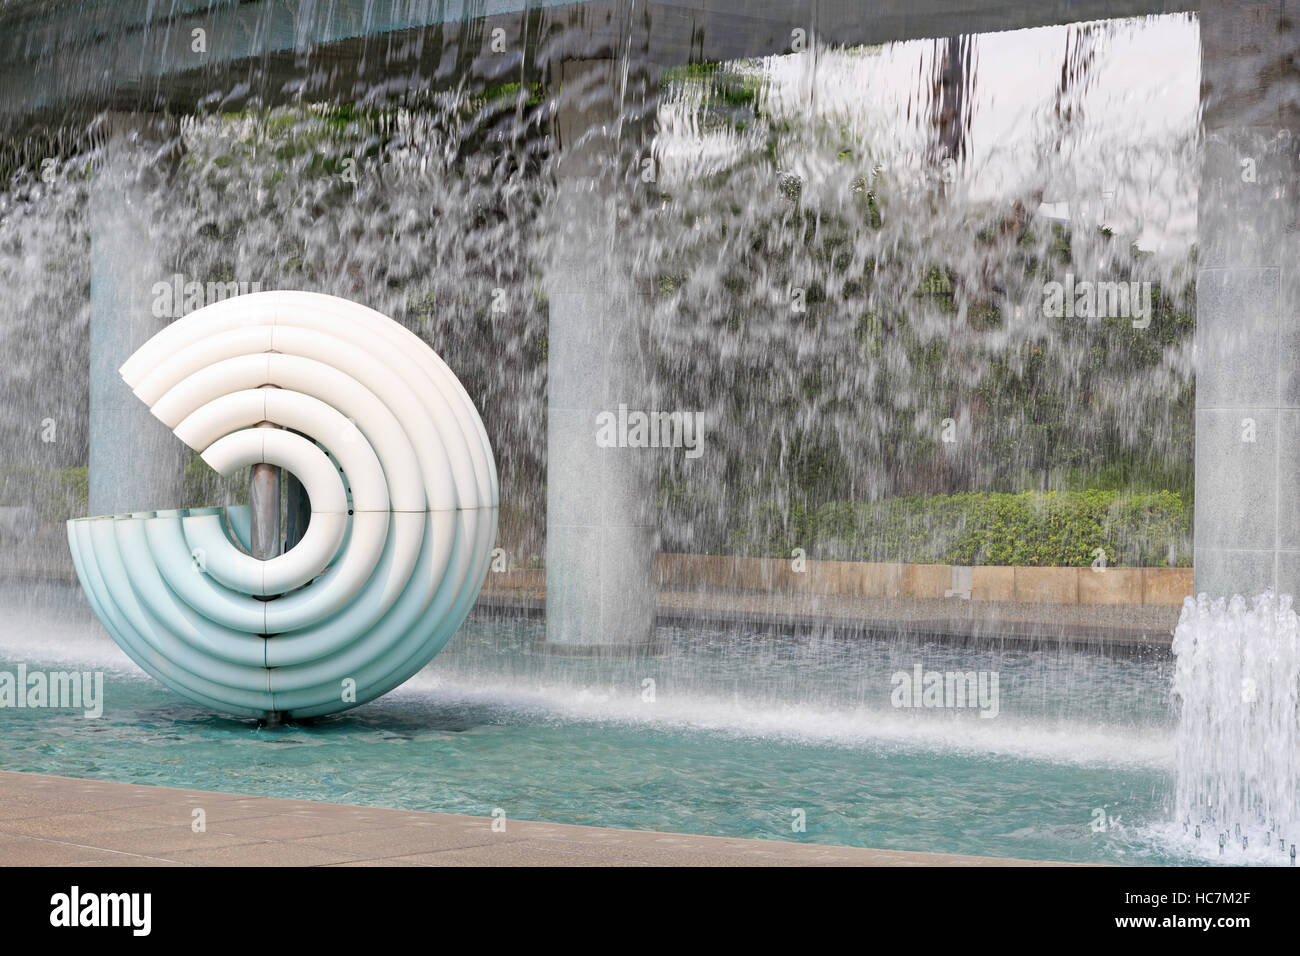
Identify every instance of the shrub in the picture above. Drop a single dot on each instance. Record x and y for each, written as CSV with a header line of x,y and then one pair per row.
x,y
1036,529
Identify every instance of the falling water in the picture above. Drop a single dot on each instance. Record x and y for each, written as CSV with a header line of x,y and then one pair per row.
x,y
1237,745
918,274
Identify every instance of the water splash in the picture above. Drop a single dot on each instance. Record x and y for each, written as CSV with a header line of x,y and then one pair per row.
x,y
1236,683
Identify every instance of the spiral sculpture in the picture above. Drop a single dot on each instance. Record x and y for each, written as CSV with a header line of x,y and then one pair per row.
x,y
403,490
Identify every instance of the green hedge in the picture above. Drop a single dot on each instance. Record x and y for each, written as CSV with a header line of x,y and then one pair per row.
x,y
1051,529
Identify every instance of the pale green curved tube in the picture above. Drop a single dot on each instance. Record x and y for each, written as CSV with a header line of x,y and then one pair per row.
x,y
392,569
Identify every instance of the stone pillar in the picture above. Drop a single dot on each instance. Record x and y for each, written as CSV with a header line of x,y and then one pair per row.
x,y
1247,523
136,463
600,536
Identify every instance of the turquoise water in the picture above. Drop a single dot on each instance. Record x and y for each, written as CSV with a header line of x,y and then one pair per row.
x,y
738,734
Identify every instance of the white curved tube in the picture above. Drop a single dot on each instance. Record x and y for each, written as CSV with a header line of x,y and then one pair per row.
x,y
361,328
403,509
253,340
410,486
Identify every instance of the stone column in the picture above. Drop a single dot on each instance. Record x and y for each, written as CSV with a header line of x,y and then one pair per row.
x,y
1247,522
136,463
600,536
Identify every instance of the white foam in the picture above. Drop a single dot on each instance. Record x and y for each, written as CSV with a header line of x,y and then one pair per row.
x,y
51,639
1066,742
